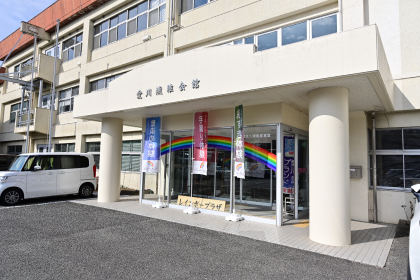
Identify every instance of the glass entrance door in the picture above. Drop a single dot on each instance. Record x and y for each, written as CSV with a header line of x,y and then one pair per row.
x,y
303,177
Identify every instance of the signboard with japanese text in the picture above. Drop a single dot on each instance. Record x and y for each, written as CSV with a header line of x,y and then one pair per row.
x,y
203,203
239,143
289,165
151,149
200,142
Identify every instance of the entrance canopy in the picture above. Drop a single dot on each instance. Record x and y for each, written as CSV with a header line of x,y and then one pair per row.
x,y
224,76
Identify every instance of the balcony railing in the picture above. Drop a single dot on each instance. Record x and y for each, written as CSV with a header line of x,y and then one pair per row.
x,y
39,121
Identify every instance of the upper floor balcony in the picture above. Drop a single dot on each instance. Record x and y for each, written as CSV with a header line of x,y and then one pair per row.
x,y
44,68
39,121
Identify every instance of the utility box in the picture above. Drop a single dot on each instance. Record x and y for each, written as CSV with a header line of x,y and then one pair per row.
x,y
355,172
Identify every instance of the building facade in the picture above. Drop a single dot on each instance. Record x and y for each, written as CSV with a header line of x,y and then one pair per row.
x,y
317,79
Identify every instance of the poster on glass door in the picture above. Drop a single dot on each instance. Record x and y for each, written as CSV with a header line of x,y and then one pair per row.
x,y
289,165
200,143
239,143
151,148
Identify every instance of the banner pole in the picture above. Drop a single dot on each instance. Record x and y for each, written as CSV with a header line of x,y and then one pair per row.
x,y
159,204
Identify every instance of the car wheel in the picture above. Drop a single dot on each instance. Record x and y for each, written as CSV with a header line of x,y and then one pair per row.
x,y
10,197
86,190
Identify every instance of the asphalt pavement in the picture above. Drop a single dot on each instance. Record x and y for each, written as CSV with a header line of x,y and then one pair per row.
x,y
65,240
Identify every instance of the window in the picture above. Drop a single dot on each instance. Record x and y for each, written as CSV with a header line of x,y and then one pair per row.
x,y
15,109
187,5
25,67
72,47
14,150
94,148
51,51
46,101
397,157
103,83
130,160
69,162
17,68
66,100
267,41
288,34
324,26
294,33
65,148
128,22
46,162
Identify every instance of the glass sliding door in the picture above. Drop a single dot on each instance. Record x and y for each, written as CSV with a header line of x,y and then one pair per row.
x,y
303,177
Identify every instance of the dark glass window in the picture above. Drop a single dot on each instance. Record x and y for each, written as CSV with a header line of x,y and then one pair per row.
x,y
68,162
412,170
389,139
390,171
84,162
411,138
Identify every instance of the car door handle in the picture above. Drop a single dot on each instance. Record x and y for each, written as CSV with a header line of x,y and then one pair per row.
x,y
50,173
61,172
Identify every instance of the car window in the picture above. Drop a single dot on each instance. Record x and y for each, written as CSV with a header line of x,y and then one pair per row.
x,y
46,162
28,163
68,162
84,162
3,162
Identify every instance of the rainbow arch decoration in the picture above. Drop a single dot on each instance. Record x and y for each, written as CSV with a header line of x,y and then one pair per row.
x,y
224,143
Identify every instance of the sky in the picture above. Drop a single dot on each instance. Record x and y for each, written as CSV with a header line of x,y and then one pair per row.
x,y
12,12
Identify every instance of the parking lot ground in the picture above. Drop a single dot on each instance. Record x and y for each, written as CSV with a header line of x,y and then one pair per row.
x,y
67,240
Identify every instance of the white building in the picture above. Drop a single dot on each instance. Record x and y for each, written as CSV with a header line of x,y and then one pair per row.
x,y
315,72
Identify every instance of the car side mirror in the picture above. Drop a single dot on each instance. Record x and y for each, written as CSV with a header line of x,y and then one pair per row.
x,y
415,189
36,168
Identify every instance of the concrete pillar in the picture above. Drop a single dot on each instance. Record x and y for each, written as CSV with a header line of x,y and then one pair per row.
x,y
329,173
110,160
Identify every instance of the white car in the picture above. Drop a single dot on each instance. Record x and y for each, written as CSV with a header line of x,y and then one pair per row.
x,y
414,249
47,174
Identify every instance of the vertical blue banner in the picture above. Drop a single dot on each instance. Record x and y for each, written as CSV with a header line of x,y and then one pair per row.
x,y
151,147
289,164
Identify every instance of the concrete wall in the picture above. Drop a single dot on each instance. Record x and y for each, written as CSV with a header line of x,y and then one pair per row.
x,y
358,131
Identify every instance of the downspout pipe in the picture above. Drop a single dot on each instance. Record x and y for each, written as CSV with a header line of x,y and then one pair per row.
x,y
374,179
53,87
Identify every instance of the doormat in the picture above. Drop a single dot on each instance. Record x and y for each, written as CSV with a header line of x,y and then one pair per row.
x,y
302,224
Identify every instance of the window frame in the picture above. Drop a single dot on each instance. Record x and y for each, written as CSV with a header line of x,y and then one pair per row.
x,y
131,153
71,98
67,147
75,44
94,153
280,32
16,112
53,50
106,80
161,3
394,152
193,4
14,148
